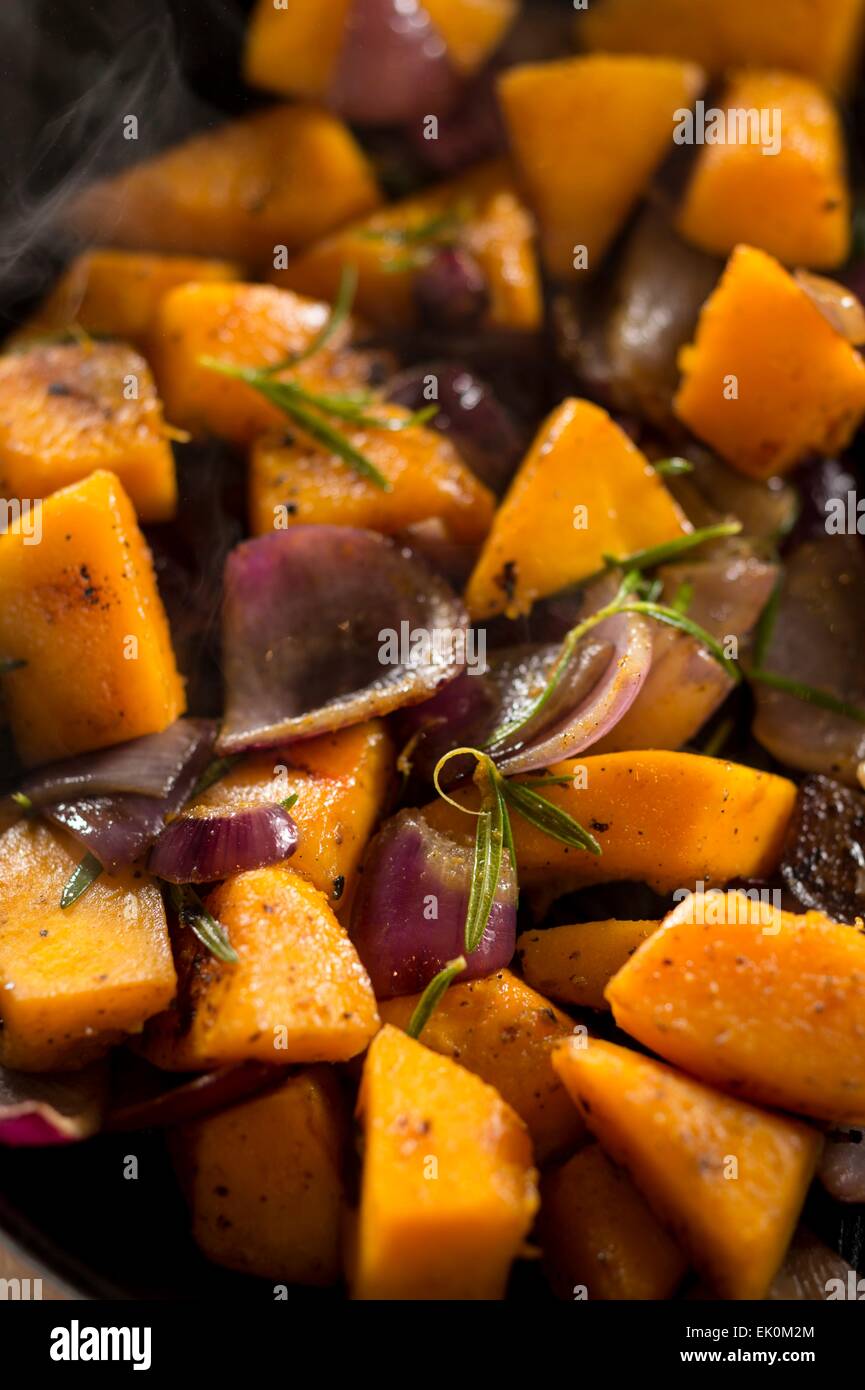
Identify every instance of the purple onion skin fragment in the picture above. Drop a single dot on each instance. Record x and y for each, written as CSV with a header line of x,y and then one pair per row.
x,y
451,289
409,914
473,131
204,849
143,1097
149,766
39,1109
393,65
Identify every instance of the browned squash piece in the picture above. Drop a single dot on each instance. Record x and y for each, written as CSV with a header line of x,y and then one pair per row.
x,y
67,409
600,1239
248,326
448,1189
292,49
767,379
81,609
264,1181
504,1031
727,1179
761,1002
74,980
298,992
115,293
661,818
280,177
471,28
585,488
299,483
488,219
342,782
820,38
576,963
618,114
790,197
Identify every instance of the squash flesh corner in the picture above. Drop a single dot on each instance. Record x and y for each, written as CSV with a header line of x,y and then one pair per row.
x,y
472,29
297,994
66,410
619,113
767,379
247,325
793,200
74,981
727,1179
661,818
82,609
574,964
293,50
299,483
264,1181
504,1031
753,999
284,176
490,221
342,782
598,1234
588,491
448,1190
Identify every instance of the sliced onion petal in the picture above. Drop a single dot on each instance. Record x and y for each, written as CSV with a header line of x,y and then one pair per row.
x,y
148,766
409,914
305,610
156,1099
393,65
45,1109
204,848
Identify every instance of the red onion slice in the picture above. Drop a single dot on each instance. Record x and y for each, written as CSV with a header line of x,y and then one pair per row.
x,y
409,914
393,65
204,848
43,1109
310,619
148,766
147,1098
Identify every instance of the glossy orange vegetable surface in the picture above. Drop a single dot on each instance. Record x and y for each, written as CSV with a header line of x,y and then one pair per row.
x,y
574,964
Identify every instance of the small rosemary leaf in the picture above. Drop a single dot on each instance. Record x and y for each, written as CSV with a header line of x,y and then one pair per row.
x,y
718,739
401,265
10,663
432,995
552,820
682,598
214,772
766,624
669,550
507,829
337,317
80,880
289,801
487,866
193,914
22,800
810,694
673,467
672,618
420,233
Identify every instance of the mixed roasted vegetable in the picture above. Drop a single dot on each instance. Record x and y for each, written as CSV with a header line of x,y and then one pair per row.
x,y
430,651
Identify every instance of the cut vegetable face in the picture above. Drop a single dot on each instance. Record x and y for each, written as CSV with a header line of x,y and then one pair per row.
x,y
574,964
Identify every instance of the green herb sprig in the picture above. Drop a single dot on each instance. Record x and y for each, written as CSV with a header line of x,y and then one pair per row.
x,y
192,913
432,996
413,245
82,876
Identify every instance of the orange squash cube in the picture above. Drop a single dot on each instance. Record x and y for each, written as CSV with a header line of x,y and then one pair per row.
x,y
728,1180
299,483
81,609
472,29
280,177
74,980
448,1189
67,409
587,490
293,50
587,134
298,992
792,201
576,963
264,1181
767,379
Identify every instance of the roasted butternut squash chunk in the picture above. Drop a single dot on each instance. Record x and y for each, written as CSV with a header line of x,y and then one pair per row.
x,y
293,49
471,28
342,782
298,992
74,980
67,409
264,1181
790,198
600,1239
281,177
293,481
576,963
755,1000
448,1189
249,326
81,609
661,818
504,1032
727,1179
115,293
589,491
618,113
489,220
767,378
817,37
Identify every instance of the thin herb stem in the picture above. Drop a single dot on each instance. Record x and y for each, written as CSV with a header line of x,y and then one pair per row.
x,y
432,996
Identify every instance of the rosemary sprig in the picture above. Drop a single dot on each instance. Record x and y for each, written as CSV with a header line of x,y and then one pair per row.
x,y
673,467
433,229
432,995
193,914
335,319
80,879
766,625
489,847
551,819
289,801
671,550
810,694
23,802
